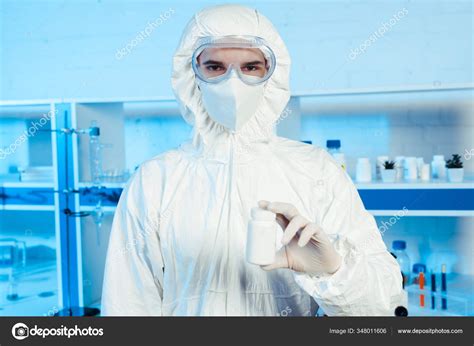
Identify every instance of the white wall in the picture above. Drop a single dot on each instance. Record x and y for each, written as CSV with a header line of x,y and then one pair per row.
x,y
68,48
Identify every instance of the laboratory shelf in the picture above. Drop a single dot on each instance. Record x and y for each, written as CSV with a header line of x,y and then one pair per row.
x,y
434,198
21,184
413,199
420,202
468,183
108,185
27,196
109,196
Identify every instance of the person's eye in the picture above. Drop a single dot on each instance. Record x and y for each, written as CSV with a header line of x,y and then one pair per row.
x,y
251,68
214,68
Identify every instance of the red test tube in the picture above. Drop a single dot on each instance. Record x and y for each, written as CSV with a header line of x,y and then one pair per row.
x,y
421,279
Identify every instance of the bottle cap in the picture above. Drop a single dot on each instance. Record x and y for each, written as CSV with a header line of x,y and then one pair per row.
x,y
259,214
333,144
419,268
399,245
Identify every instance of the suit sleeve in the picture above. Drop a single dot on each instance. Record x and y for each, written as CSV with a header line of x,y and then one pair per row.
x,y
369,281
133,278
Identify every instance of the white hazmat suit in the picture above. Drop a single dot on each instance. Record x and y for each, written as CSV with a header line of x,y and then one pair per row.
x,y
177,245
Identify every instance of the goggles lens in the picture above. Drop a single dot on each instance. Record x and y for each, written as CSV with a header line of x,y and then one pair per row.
x,y
215,58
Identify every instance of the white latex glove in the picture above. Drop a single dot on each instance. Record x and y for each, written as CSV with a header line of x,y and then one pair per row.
x,y
306,247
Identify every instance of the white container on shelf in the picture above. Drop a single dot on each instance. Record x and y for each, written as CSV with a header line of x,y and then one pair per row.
x,y
419,165
455,175
379,166
399,161
438,167
425,173
410,171
388,175
363,170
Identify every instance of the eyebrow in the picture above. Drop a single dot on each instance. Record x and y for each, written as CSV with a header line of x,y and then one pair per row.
x,y
212,62
255,62
215,62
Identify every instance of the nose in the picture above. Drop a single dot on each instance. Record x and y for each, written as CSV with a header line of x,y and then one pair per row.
x,y
233,72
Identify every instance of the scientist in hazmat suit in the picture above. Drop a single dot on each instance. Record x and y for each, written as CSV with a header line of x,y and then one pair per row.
x,y
177,245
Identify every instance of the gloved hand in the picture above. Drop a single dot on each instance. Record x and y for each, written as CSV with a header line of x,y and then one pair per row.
x,y
306,246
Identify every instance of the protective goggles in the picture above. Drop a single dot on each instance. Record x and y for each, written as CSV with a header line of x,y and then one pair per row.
x,y
250,57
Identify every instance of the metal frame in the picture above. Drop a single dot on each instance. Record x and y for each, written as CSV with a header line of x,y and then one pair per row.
x,y
71,267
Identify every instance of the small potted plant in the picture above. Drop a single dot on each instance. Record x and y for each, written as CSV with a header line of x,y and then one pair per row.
x,y
455,169
388,172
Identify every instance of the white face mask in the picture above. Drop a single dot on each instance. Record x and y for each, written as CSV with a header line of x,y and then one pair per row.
x,y
231,102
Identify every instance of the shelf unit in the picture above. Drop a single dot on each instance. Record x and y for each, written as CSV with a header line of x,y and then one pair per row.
x,y
437,198
30,210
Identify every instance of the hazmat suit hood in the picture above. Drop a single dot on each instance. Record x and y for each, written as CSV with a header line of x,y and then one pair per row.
x,y
227,20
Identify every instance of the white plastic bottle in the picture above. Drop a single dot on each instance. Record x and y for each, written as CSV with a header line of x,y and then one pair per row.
x,y
399,250
261,237
438,167
363,170
425,172
399,163
410,171
419,165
